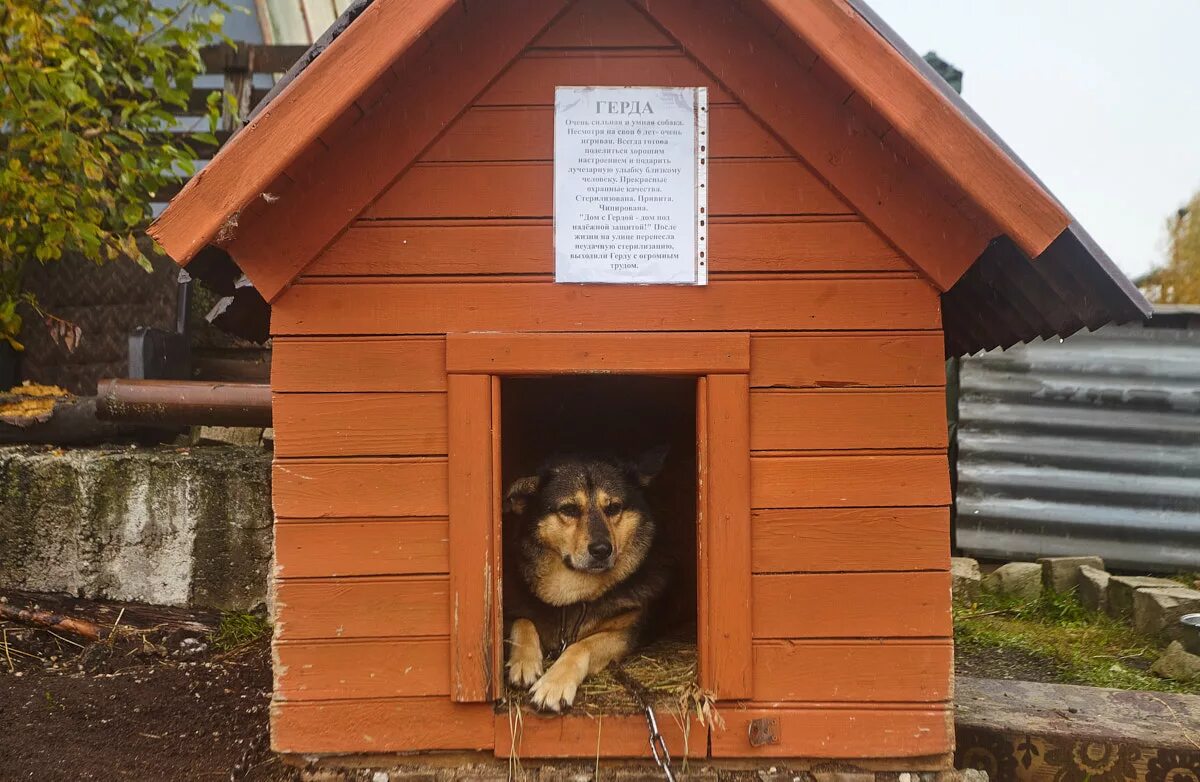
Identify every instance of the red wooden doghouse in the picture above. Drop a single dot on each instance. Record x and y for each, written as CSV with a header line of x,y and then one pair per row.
x,y
392,203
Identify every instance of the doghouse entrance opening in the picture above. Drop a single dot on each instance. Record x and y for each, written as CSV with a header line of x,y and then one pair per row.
x,y
623,416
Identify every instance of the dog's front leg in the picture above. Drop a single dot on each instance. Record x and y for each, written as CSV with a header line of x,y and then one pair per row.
x,y
556,690
524,654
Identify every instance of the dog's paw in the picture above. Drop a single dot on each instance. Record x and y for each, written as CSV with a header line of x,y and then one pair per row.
x,y
555,691
524,667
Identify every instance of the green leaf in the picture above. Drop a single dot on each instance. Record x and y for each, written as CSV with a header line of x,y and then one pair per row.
x,y
88,100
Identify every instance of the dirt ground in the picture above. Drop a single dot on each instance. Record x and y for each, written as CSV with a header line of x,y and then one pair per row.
x,y
160,702
1005,664
157,703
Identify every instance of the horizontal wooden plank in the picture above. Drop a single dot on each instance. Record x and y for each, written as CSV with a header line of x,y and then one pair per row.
x,y
841,539
840,360
373,248
352,488
852,605
381,725
352,668
360,424
347,547
359,364
816,732
495,133
361,608
829,420
530,81
741,305
688,354
521,189
849,481
865,671
595,23
588,736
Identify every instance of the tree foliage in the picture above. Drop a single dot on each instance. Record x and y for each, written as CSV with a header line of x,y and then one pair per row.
x,y
1178,282
89,92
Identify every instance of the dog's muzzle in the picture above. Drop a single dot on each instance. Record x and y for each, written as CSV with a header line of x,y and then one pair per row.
x,y
591,564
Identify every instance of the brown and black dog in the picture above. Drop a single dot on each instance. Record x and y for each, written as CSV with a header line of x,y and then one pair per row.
x,y
590,571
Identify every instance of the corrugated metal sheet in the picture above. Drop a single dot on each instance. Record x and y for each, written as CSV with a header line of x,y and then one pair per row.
x,y
1089,445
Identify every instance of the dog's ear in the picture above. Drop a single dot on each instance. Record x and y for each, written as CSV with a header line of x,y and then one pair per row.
x,y
522,490
647,466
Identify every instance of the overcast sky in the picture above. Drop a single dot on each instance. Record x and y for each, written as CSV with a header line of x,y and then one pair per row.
x,y
1101,98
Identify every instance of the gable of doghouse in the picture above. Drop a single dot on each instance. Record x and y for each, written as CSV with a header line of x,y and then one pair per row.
x,y
783,125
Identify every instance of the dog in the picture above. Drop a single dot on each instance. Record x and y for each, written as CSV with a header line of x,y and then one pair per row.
x,y
590,571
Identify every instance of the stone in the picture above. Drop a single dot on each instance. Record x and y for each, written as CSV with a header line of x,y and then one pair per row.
x,y
1156,609
1188,632
1059,573
965,579
1121,589
322,775
1091,587
229,435
965,775
1178,664
1021,580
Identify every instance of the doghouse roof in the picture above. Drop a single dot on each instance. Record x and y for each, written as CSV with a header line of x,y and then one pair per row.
x,y
1035,273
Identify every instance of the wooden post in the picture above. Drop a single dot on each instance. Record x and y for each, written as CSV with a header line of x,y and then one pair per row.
x,y
471,509
727,559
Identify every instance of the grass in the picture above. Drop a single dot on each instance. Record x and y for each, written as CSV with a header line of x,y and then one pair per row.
x,y
1188,579
1087,647
239,628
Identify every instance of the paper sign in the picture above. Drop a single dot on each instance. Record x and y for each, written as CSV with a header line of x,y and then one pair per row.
x,y
631,185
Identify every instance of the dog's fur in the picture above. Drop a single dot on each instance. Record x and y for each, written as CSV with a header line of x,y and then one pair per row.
x,y
590,571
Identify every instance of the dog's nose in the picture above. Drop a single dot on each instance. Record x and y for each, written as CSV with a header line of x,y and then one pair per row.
x,y
600,550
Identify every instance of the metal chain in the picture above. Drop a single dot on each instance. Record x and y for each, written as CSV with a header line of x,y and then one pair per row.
x,y
658,745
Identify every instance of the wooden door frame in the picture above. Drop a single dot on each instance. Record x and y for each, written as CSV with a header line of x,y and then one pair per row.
x,y
720,361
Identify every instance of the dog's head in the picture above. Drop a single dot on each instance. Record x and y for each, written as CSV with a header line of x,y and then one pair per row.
x,y
591,512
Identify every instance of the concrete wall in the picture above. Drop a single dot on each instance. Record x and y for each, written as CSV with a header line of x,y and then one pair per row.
x,y
163,525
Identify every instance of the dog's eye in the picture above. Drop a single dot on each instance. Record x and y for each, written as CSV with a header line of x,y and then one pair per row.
x,y
613,508
570,510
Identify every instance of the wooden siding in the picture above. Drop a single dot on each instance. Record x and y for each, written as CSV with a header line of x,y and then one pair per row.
x,y
396,306
848,484
525,246
740,188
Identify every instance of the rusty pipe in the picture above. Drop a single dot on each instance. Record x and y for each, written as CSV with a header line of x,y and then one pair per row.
x,y
183,402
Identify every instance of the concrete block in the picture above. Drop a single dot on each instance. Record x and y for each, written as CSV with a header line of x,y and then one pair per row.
x,y
1177,664
1059,573
159,525
1156,609
1091,587
1021,580
1121,589
965,579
